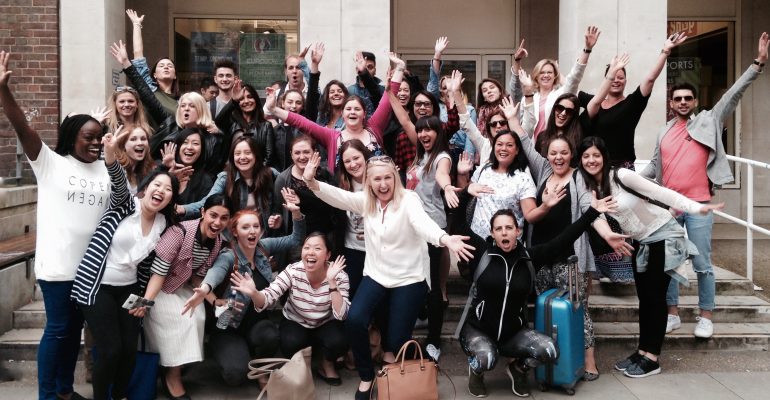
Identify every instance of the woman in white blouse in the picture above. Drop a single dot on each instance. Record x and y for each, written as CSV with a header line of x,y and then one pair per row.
x,y
396,269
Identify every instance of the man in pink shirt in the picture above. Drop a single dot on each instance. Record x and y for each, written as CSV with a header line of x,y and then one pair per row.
x,y
691,159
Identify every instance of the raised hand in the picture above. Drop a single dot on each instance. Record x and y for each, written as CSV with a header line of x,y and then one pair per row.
x,y
477,189
134,17
168,155
553,195
509,109
674,40
237,91
291,200
454,82
441,45
317,54
274,221
520,52
527,85
243,284
360,62
617,64
312,166
396,61
457,246
762,47
5,74
464,164
110,143
100,114
270,102
605,205
334,269
592,36
304,51
118,51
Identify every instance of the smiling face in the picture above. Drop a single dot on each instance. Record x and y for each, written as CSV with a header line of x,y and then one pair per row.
x,y
547,77
214,220
300,154
293,102
190,150
248,231
423,106
559,156
224,78
126,105
618,85
189,112
336,95
88,143
136,145
505,150
505,232
404,93
247,103
157,194
496,124
563,112
593,162
490,92
165,70
683,102
382,181
354,163
427,138
353,114
244,158
315,254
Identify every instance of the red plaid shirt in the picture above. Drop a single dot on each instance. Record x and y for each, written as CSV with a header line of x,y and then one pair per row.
x,y
406,151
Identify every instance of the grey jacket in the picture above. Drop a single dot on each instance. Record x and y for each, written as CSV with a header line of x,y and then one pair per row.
x,y
706,129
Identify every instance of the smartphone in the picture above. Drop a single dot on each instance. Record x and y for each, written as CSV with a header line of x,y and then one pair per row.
x,y
133,302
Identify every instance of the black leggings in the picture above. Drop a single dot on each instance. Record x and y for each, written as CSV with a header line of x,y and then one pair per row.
x,y
435,298
115,334
530,348
232,349
651,287
329,338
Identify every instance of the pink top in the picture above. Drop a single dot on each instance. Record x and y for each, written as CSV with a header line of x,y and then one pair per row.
x,y
541,120
683,160
332,138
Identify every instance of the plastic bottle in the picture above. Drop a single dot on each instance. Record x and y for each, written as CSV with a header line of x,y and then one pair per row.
x,y
224,319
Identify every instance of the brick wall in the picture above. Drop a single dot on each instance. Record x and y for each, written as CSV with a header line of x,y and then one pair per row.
x,y
29,29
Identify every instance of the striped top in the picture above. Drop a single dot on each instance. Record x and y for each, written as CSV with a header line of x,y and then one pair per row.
x,y
305,305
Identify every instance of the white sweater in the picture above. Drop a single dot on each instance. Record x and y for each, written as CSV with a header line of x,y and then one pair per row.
x,y
396,243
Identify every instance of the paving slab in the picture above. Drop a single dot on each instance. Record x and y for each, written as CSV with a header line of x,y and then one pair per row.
x,y
747,385
679,386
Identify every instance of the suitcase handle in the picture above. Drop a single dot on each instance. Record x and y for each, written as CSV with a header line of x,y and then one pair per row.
x,y
572,281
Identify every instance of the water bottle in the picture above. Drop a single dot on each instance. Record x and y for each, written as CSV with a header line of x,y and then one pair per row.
x,y
224,319
245,301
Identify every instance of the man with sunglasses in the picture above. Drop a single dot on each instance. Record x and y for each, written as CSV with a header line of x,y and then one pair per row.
x,y
690,159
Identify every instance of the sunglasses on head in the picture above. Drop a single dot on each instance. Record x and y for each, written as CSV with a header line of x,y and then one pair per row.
x,y
121,89
558,109
423,104
498,124
382,159
685,98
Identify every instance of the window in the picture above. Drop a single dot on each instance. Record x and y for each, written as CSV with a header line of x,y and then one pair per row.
x,y
257,46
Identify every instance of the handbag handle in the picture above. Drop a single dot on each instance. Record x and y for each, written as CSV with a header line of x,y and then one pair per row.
x,y
402,354
270,365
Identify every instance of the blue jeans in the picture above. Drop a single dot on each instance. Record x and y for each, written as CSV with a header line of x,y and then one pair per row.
x,y
404,303
699,232
60,344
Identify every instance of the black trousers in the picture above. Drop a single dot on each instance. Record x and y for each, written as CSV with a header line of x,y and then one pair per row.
x,y
233,349
115,334
435,298
329,338
651,287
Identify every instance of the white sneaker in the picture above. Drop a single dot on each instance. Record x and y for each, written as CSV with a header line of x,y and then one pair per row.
x,y
674,322
704,329
433,352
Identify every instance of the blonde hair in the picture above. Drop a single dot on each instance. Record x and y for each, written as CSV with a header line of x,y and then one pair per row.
x,y
370,201
140,118
204,114
539,66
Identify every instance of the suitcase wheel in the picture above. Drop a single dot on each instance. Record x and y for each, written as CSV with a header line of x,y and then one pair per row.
x,y
543,387
570,391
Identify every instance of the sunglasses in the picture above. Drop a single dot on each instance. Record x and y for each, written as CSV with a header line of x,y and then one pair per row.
x,y
121,89
498,124
685,98
558,109
423,104
382,159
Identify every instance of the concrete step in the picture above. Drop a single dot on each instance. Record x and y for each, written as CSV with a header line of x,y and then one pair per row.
x,y
21,344
30,316
729,308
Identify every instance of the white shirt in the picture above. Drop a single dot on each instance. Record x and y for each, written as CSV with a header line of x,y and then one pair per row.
x,y
396,236
509,191
72,196
129,247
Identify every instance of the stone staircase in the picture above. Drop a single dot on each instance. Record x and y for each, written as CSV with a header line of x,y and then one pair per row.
x,y
742,319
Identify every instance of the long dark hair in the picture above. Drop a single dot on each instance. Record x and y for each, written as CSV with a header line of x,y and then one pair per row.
x,y
183,134
68,132
430,96
603,189
325,107
572,131
441,144
520,161
169,211
257,116
261,176
344,179
480,97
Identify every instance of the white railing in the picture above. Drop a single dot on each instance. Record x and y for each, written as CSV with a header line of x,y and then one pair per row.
x,y
749,221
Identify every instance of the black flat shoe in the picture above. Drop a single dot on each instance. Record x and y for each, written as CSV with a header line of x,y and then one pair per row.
x,y
331,381
167,392
365,394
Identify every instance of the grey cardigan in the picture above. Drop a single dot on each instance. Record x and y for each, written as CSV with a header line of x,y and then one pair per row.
x,y
706,129
580,198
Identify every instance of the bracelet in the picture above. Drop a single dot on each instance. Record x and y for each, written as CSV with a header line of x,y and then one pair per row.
x,y
587,51
759,64
517,59
664,51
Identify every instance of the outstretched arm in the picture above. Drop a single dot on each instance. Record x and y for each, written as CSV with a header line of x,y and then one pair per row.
x,y
28,137
617,64
138,43
591,37
672,41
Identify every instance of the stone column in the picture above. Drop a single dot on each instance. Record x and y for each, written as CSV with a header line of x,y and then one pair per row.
x,y
345,27
87,30
637,28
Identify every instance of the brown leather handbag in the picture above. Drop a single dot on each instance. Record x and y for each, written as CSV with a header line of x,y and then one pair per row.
x,y
289,379
408,379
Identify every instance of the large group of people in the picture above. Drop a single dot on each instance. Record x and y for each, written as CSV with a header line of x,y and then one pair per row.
x,y
344,205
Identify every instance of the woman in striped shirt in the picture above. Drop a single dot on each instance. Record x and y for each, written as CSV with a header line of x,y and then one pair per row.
x,y
317,304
